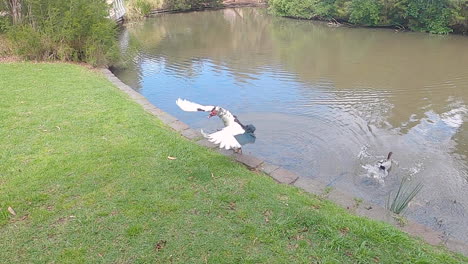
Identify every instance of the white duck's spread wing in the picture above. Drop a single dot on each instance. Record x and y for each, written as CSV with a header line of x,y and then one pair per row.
x,y
192,107
225,137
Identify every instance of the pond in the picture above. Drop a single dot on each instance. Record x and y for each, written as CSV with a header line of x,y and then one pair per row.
x,y
327,102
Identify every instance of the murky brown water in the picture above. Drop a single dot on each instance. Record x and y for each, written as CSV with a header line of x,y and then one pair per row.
x,y
327,102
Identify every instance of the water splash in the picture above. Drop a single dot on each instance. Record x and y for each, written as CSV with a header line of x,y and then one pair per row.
x,y
374,172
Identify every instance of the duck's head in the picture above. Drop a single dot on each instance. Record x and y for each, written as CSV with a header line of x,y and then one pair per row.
x,y
389,155
214,111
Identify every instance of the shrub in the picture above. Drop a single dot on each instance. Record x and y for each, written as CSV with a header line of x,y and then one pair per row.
x,y
432,16
143,6
4,49
4,23
459,18
365,12
435,16
27,42
295,8
137,9
327,8
190,4
78,30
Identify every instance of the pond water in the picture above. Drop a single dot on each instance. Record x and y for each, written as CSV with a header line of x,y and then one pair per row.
x,y
327,102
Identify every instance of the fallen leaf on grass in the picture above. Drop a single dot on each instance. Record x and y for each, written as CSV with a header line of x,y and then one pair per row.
x,y
11,210
293,246
61,220
171,158
267,213
255,170
316,207
344,230
255,240
213,177
160,245
232,205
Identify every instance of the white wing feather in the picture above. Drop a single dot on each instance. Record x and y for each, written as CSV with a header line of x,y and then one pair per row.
x,y
192,107
225,137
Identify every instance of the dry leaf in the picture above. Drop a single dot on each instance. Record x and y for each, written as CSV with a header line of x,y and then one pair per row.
x,y
344,230
160,245
171,158
11,210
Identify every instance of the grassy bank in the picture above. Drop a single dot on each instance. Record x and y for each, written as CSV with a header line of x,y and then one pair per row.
x,y
86,172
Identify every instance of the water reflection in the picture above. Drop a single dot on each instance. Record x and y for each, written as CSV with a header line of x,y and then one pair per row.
x,y
327,102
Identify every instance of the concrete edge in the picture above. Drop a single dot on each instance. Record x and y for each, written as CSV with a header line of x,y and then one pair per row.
x,y
284,176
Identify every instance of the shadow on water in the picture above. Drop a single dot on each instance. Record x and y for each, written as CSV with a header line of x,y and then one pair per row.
x,y
328,103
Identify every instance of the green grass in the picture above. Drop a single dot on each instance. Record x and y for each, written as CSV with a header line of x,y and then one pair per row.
x,y
87,173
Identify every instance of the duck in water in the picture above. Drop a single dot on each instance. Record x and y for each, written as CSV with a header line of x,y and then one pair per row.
x,y
386,164
232,136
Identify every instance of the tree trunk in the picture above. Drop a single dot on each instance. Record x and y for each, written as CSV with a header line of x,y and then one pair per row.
x,y
15,11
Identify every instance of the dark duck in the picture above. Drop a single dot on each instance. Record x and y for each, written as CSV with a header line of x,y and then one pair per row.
x,y
232,136
385,164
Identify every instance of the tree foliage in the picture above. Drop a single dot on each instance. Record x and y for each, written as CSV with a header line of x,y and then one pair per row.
x,y
365,12
435,16
190,4
77,30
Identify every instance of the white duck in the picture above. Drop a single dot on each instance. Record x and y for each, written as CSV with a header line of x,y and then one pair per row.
x,y
232,136
386,164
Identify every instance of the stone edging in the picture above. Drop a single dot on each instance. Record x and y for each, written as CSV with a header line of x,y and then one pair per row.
x,y
284,176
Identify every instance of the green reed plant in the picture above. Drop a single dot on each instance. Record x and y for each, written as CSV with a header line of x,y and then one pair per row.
x,y
405,194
